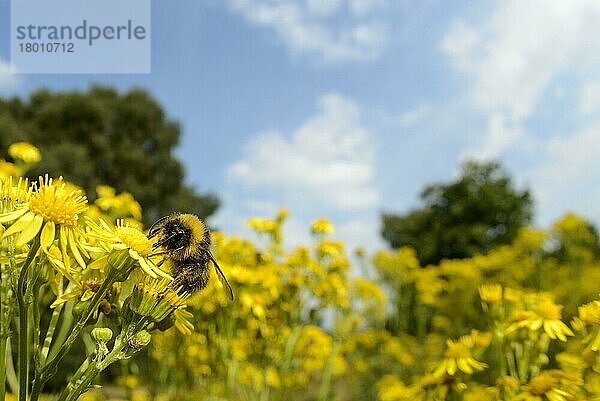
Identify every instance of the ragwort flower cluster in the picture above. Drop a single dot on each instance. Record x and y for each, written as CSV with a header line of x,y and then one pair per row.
x,y
91,276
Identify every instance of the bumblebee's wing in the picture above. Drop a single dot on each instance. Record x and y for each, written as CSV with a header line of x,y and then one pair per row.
x,y
222,278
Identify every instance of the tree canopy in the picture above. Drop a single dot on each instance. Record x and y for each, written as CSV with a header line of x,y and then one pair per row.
x,y
472,214
102,136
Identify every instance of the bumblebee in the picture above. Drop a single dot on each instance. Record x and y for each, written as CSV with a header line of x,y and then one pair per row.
x,y
185,239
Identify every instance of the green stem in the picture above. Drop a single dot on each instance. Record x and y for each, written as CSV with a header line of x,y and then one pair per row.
x,y
4,331
3,369
287,357
50,332
499,338
63,331
74,379
49,370
84,380
11,375
511,365
327,374
35,315
523,362
23,318
52,325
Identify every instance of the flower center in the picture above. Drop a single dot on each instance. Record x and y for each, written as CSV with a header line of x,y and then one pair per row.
x,y
54,202
590,313
490,293
457,350
91,285
542,384
134,239
548,310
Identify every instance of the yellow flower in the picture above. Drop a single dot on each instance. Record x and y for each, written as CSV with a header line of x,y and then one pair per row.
x,y
546,386
546,315
13,195
322,226
490,293
571,362
182,317
458,357
83,287
369,290
272,377
330,248
121,237
8,169
51,207
480,339
391,388
24,151
121,205
154,298
281,215
314,348
589,315
260,224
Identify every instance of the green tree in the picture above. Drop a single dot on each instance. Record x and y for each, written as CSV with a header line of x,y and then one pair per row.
x,y
476,212
105,137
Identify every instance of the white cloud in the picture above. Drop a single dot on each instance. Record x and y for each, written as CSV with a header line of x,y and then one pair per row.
x,y
459,43
414,116
361,232
363,7
6,78
590,98
513,56
566,178
328,161
331,30
500,135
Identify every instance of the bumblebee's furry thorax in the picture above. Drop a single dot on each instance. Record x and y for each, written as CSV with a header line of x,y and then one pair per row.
x,y
183,236
186,240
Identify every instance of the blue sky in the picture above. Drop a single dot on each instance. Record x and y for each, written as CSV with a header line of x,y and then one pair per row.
x,y
346,108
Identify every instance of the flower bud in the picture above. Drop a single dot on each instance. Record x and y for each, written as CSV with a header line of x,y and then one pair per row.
x,y
80,307
154,299
102,334
120,264
140,340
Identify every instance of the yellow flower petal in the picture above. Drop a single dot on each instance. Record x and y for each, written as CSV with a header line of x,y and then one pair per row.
x,y
464,366
99,263
66,297
441,369
535,325
48,232
184,327
75,249
63,247
596,342
88,294
142,263
30,231
15,214
451,367
19,225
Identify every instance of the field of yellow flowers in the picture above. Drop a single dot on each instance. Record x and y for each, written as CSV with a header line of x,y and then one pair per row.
x,y
84,302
